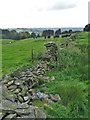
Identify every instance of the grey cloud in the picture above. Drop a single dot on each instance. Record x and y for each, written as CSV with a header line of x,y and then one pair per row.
x,y
60,6
57,5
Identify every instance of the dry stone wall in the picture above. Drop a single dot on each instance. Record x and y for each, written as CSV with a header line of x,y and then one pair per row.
x,y
18,88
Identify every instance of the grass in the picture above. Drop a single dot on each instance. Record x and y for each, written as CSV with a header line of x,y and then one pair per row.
x,y
82,38
71,74
71,81
18,53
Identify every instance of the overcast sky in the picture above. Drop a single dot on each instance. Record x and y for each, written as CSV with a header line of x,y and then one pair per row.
x,y
43,13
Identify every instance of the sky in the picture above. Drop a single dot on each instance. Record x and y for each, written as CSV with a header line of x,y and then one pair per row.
x,y
43,13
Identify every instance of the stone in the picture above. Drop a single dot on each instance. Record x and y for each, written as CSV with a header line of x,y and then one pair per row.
x,y
46,77
26,98
21,99
12,87
22,106
7,93
52,78
5,81
11,97
42,95
10,83
25,111
23,92
29,102
50,102
17,91
10,116
40,114
1,115
17,83
8,106
16,74
22,112
34,96
27,117
55,98
0,93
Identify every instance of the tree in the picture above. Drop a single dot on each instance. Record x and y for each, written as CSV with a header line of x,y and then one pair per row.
x,y
44,33
38,35
70,31
5,34
87,28
33,35
13,34
22,35
27,34
65,32
57,33
47,33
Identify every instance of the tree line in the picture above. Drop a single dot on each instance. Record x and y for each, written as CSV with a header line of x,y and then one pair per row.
x,y
13,34
87,28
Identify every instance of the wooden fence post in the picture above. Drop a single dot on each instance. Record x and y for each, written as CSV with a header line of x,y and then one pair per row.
x,y
32,55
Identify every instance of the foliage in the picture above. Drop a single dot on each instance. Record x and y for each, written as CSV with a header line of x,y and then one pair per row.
x,y
87,28
47,33
7,34
58,32
33,35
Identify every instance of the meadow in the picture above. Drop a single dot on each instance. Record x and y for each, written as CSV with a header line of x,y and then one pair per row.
x,y
18,52
71,74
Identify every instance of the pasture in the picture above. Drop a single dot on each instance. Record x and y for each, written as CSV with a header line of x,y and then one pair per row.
x,y
71,74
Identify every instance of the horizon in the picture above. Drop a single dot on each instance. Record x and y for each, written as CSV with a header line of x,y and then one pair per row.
x,y
41,27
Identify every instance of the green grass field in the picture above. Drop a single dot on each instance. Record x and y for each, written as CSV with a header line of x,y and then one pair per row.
x,y
71,74
18,53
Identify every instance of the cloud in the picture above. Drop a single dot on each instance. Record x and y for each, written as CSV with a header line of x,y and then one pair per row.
x,y
61,5
57,5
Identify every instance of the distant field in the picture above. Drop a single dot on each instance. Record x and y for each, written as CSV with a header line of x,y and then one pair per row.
x,y
18,53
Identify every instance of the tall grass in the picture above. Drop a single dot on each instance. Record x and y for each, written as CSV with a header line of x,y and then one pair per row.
x,y
71,81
